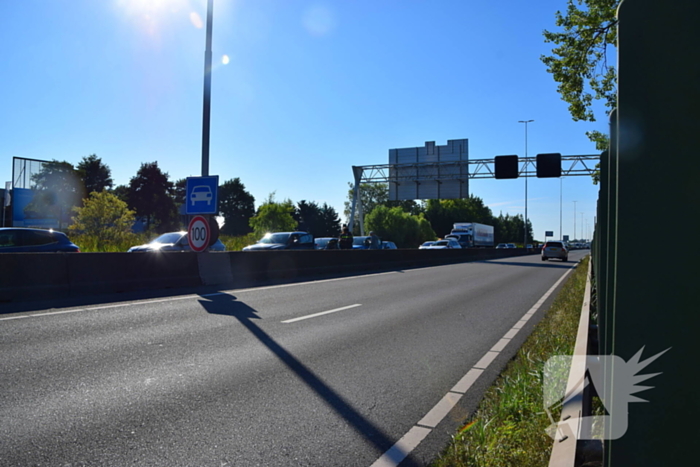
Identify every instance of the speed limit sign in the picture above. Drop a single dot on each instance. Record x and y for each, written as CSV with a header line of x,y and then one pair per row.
x,y
198,234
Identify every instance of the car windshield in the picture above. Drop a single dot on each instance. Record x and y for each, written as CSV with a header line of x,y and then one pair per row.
x,y
275,238
171,237
441,243
554,244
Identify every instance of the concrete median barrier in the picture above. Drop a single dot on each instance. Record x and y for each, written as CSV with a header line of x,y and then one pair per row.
x,y
26,276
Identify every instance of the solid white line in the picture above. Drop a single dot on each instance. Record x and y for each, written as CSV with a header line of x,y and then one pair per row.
x,y
14,317
294,320
403,447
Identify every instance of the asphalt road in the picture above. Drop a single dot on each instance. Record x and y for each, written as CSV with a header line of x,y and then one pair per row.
x,y
325,373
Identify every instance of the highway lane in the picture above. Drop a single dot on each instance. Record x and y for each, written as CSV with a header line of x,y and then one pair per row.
x,y
236,378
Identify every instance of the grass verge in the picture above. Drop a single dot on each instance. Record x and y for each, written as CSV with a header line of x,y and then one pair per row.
x,y
508,428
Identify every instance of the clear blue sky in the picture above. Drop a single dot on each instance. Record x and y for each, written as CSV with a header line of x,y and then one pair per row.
x,y
310,89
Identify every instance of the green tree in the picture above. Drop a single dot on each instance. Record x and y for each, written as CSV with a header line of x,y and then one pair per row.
x,y
579,62
95,175
509,229
373,195
330,222
104,223
151,196
394,224
180,191
58,189
308,216
274,217
443,213
237,206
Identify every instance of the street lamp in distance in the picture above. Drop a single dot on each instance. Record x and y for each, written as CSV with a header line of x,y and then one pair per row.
x,y
525,174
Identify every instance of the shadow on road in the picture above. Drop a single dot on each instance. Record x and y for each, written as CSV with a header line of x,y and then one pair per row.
x,y
228,305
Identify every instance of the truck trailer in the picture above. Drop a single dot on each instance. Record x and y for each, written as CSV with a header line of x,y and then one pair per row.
x,y
472,235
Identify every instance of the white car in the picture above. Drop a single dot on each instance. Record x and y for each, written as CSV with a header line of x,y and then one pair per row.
x,y
446,244
425,245
201,193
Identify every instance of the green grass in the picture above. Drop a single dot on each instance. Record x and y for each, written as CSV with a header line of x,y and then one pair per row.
x,y
237,243
96,244
508,428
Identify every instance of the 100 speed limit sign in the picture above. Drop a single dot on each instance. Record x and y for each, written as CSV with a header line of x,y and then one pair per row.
x,y
198,234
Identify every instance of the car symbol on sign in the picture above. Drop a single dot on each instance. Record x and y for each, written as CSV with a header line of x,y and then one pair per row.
x,y
201,193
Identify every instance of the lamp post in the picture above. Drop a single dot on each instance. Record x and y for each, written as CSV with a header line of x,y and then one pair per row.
x,y
561,234
574,220
207,92
525,174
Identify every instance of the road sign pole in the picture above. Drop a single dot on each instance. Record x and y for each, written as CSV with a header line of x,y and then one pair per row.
x,y
207,92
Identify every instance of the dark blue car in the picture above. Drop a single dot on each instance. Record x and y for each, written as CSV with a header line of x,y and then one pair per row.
x,y
24,240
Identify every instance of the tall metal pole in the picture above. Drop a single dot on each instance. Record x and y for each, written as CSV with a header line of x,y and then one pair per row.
x,y
525,174
574,220
561,234
207,92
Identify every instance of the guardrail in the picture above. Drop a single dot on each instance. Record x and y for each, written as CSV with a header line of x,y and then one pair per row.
x,y
577,403
55,275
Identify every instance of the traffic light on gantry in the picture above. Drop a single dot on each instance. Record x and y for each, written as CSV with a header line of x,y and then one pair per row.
x,y
548,165
506,166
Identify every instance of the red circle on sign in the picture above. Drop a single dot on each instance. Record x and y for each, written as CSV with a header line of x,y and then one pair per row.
x,y
198,234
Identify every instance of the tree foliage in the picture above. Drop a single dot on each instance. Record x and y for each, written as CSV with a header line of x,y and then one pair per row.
x,y
579,61
237,206
443,213
274,217
320,221
509,229
105,222
396,225
373,195
330,221
58,189
151,196
95,175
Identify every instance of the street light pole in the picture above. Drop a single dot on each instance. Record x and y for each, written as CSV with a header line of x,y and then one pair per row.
x,y
561,234
574,220
207,92
525,174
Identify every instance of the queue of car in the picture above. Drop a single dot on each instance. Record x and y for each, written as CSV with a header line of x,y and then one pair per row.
x,y
172,241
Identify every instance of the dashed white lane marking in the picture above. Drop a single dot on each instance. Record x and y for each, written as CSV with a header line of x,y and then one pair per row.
x,y
403,447
294,320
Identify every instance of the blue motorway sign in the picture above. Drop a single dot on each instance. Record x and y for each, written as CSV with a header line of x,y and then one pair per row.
x,y
201,195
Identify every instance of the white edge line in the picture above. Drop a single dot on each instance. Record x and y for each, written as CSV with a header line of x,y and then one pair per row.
x,y
403,447
417,433
440,410
294,320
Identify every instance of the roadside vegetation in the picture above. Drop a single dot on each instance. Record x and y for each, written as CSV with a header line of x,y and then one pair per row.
x,y
508,428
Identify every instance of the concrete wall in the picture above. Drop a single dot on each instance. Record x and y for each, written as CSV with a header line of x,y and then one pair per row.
x,y
25,276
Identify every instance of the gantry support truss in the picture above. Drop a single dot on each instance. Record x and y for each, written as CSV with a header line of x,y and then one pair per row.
x,y
576,165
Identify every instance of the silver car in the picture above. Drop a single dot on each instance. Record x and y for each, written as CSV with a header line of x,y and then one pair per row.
x,y
555,250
